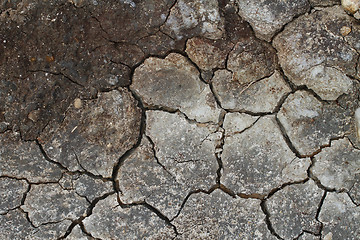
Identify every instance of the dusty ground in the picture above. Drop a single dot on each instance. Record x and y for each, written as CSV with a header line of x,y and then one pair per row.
x,y
164,119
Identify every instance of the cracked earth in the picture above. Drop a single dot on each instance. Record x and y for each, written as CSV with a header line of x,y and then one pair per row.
x,y
180,119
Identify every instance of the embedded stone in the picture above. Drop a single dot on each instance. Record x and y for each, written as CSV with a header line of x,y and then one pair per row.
x,y
205,54
251,60
340,217
46,203
220,216
268,17
260,96
190,18
293,209
351,6
11,193
111,221
86,186
337,167
94,137
185,149
142,178
174,83
310,123
238,122
313,52
250,164
24,159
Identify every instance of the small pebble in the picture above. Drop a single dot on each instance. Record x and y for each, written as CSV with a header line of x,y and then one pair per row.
x,y
34,115
77,103
345,31
351,6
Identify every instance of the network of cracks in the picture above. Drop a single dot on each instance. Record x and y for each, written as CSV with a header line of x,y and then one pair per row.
x,y
164,119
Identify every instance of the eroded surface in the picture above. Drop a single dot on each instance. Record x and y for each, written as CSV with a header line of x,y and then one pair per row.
x,y
179,119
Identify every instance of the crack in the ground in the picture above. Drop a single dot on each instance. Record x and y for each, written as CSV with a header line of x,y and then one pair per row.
x,y
267,219
157,159
89,211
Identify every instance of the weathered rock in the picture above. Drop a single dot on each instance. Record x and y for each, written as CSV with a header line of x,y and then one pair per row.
x,y
174,83
206,54
310,123
250,164
260,96
251,60
185,149
11,193
337,167
47,203
313,52
14,225
352,6
308,236
77,234
22,159
220,216
237,122
95,136
269,17
142,178
110,221
86,186
293,209
340,217
190,18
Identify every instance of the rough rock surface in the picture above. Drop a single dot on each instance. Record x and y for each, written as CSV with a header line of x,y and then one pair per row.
x,y
293,209
337,167
92,137
248,157
237,122
251,60
231,217
174,83
313,52
340,217
111,221
208,54
260,96
188,18
14,225
268,17
86,186
179,119
24,160
11,193
310,123
54,206
185,149
143,178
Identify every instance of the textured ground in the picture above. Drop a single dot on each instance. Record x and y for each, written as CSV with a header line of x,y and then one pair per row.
x,y
164,119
